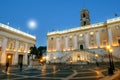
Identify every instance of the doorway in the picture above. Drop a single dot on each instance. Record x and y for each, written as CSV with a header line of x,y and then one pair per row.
x,y
119,42
9,58
20,59
28,60
81,47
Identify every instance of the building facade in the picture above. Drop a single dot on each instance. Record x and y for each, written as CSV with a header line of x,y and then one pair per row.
x,y
14,45
92,37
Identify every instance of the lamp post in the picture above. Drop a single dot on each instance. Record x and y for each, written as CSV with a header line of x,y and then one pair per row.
x,y
110,70
54,59
112,59
96,56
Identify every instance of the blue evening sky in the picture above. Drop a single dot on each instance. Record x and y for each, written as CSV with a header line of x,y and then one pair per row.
x,y
54,14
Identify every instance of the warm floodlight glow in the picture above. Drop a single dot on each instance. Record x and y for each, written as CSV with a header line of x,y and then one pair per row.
x,y
54,57
9,56
70,37
32,24
41,60
44,57
111,50
108,47
96,55
47,57
91,33
81,35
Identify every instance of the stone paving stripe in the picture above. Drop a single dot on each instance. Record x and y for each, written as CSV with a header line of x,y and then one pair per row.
x,y
84,74
69,77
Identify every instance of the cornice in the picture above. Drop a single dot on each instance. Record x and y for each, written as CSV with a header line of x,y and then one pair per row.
x,y
16,31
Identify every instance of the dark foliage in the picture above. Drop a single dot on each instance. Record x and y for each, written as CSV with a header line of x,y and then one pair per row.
x,y
37,51
41,50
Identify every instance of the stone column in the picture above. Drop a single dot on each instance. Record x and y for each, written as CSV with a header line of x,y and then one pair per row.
x,y
110,36
98,38
3,56
47,45
26,56
66,43
16,53
75,42
57,44
87,40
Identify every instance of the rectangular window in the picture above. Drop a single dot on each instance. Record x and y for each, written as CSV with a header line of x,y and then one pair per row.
x,y
104,43
92,38
92,44
84,22
118,27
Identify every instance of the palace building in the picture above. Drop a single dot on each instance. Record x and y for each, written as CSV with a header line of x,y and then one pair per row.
x,y
14,45
82,43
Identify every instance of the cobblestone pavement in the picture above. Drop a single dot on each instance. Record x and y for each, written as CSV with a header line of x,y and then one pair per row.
x,y
53,72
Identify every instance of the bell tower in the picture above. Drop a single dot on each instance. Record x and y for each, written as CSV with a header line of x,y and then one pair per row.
x,y
85,17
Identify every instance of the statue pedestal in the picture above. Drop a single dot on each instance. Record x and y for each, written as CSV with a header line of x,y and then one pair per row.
x,y
31,64
31,61
34,63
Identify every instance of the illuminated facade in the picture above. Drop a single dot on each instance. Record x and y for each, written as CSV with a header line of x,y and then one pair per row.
x,y
14,45
88,37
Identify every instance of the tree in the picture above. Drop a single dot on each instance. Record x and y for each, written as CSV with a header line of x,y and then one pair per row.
x,y
41,50
33,51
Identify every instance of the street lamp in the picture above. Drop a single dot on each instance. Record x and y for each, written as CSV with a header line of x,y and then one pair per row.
x,y
111,68
54,59
96,56
112,59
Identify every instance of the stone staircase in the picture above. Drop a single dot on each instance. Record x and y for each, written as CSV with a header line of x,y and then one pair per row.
x,y
79,56
88,55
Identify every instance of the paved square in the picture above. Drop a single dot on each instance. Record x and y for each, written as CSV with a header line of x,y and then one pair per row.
x,y
52,72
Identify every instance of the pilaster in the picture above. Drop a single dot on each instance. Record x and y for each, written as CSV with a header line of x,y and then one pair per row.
x,y
3,56
75,42
25,56
98,38
58,44
87,40
110,36
66,43
16,53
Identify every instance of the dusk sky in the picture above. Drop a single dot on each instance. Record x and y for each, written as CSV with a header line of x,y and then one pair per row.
x,y
51,15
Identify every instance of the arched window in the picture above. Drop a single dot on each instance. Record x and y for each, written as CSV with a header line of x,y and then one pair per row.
x,y
84,15
84,23
52,38
22,47
11,45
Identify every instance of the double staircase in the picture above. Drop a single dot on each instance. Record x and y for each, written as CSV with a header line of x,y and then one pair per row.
x,y
78,56
88,55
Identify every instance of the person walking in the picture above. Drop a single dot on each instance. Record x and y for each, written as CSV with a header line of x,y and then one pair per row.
x,y
7,65
21,65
